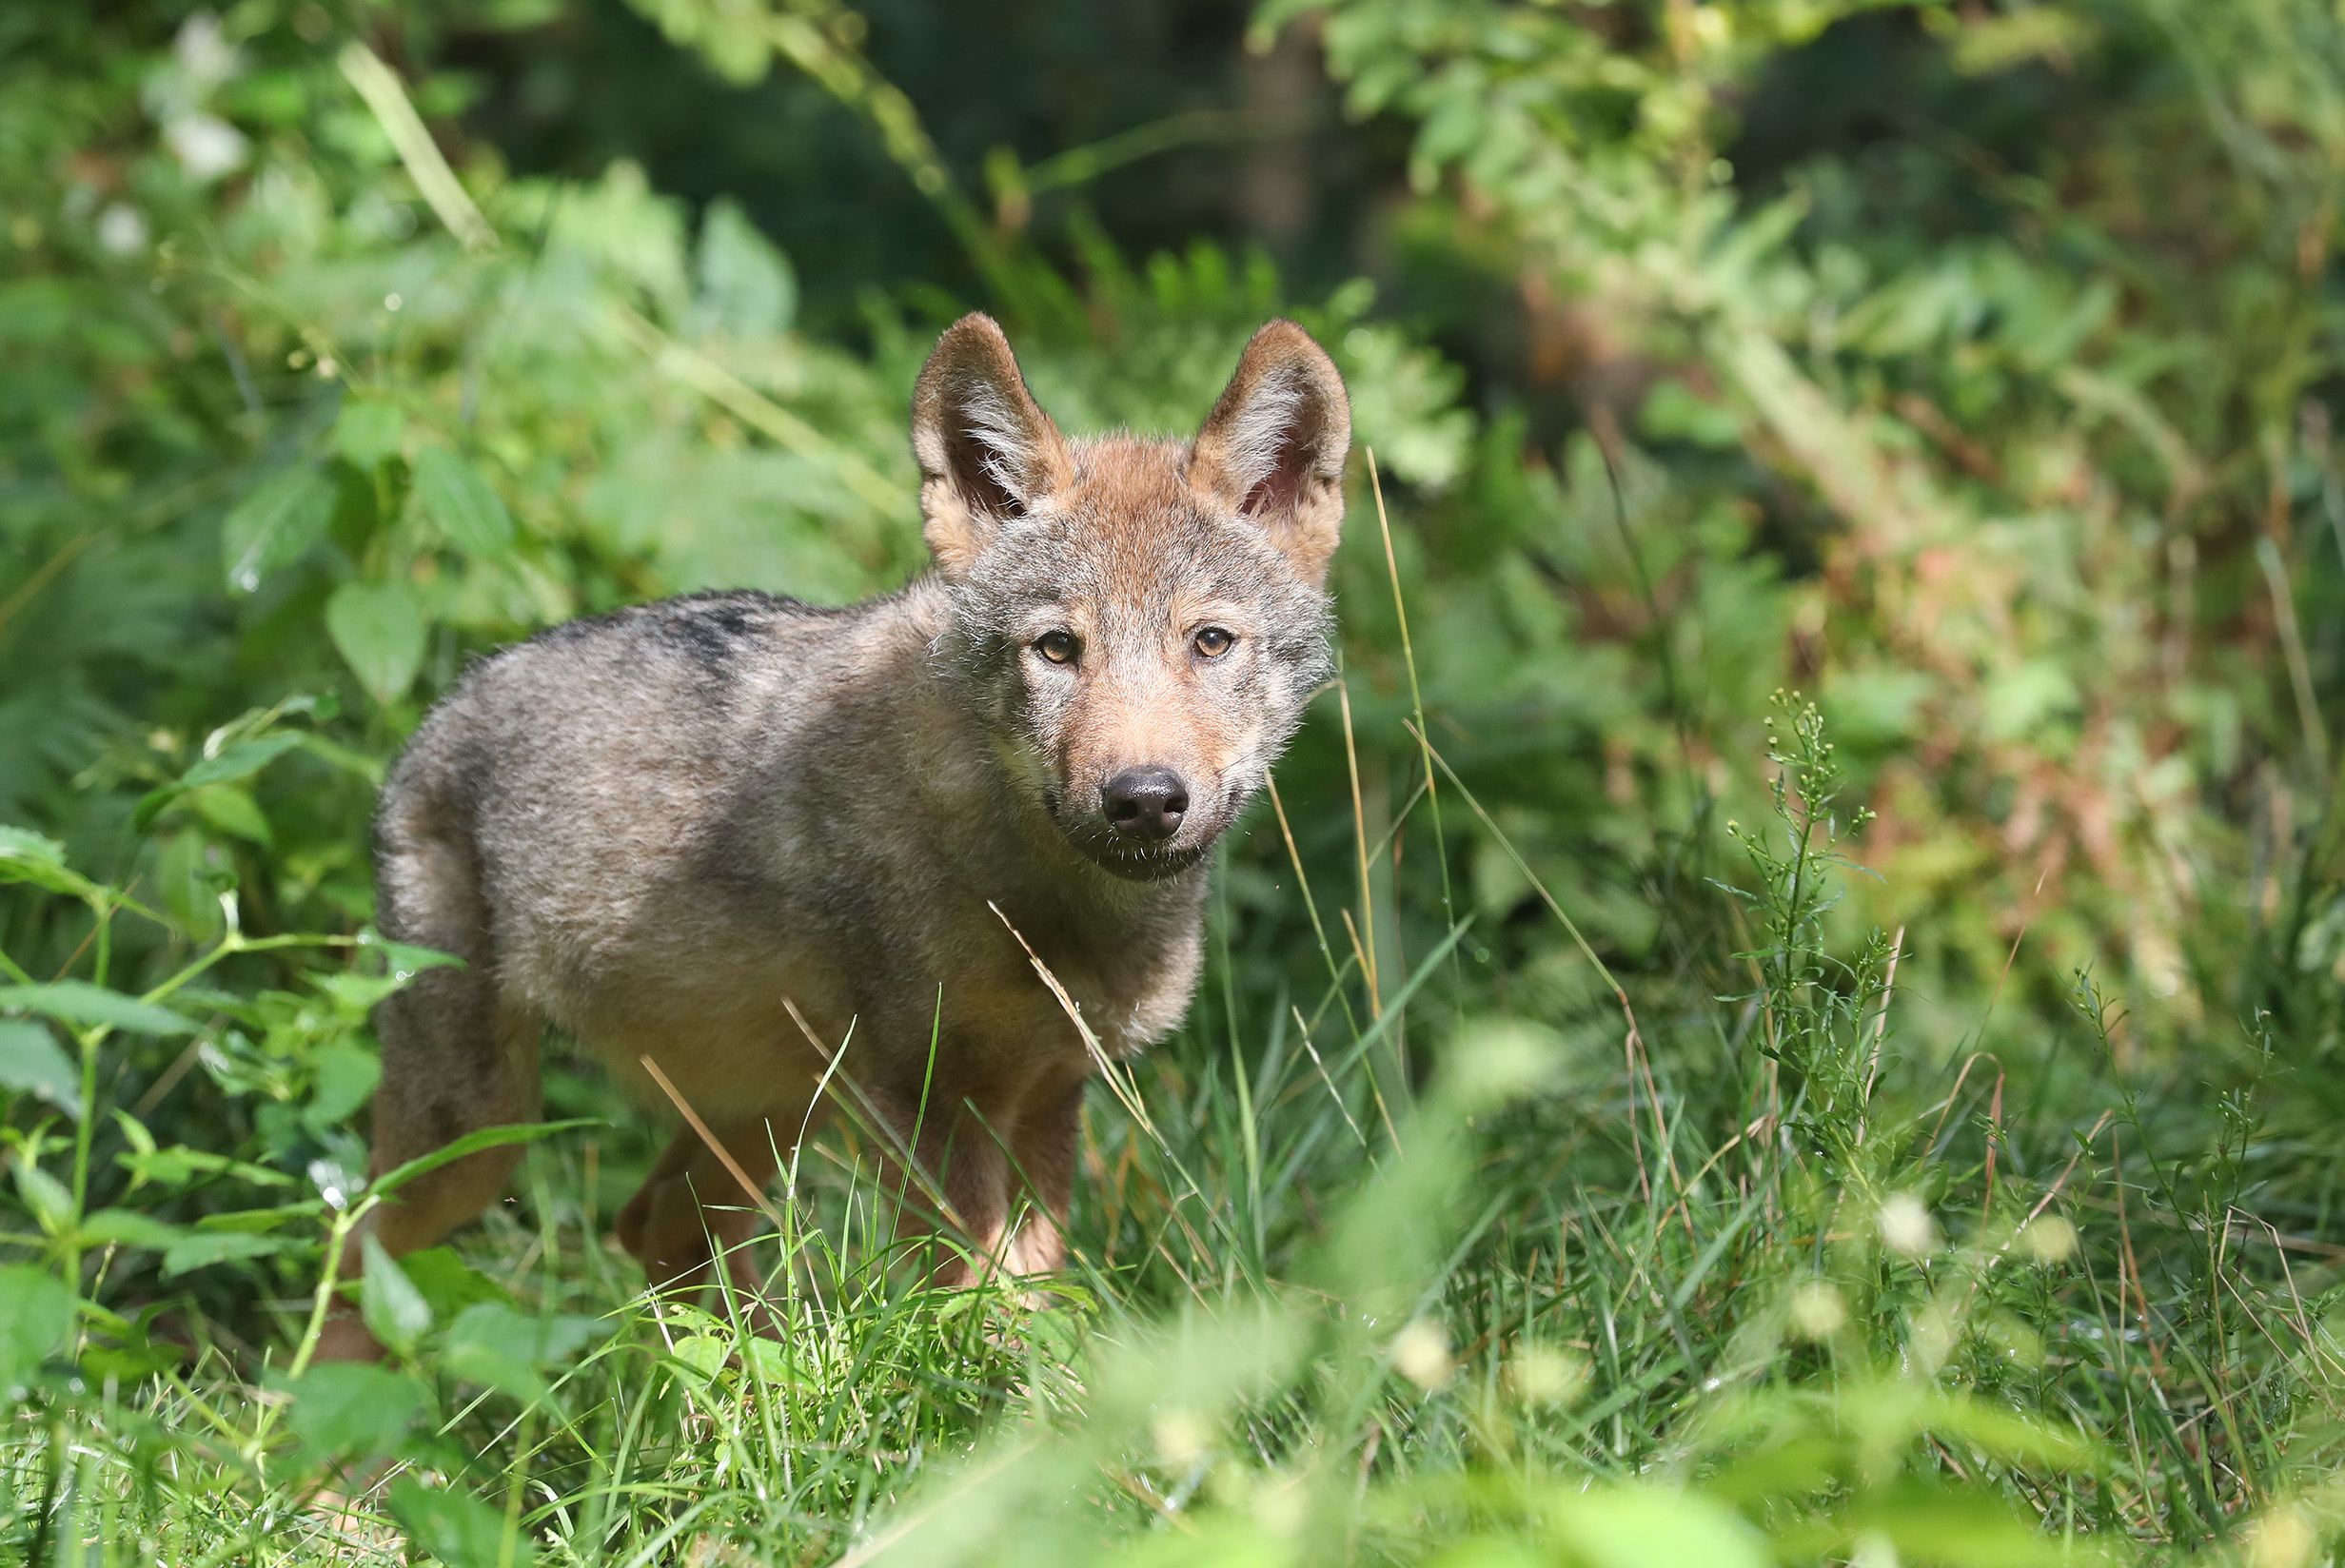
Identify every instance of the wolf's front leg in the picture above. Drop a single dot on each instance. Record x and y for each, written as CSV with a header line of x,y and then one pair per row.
x,y
997,1175
1044,1151
692,1209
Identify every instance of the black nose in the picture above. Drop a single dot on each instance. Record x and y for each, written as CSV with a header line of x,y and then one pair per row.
x,y
1146,802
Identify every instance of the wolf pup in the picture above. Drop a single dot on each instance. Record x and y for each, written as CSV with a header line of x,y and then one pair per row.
x,y
663,827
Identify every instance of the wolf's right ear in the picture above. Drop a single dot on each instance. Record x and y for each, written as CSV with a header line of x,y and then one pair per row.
x,y
987,451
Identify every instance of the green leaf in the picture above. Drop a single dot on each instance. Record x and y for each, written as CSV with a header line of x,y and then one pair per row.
x,y
491,1344
2007,1434
201,1248
376,628
704,1355
460,501
262,1220
32,1063
128,1229
51,1205
154,803
275,523
36,1314
233,812
395,1311
1654,1527
243,759
179,1165
135,1131
471,1142
448,1283
355,995
403,961
346,1077
23,846
1492,1551
494,1344
352,1407
1974,1529
460,1530
367,432
334,754
1673,412
746,287
1783,1467
128,1363
26,856
79,1002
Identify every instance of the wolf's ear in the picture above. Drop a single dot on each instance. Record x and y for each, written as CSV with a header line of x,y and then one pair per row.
x,y
1273,446
987,451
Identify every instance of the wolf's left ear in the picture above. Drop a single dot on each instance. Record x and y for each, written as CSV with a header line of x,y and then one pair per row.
x,y
1273,446
987,451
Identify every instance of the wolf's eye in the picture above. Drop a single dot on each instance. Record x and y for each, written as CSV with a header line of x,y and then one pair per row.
x,y
1213,642
1058,647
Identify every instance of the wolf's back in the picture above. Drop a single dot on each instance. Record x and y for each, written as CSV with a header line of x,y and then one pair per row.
x,y
564,777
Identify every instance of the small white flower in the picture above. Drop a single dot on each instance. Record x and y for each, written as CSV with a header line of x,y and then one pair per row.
x,y
1282,1507
335,1184
1817,1310
122,229
1183,1440
1421,1354
1906,1227
1540,1374
1874,1550
2283,1539
206,145
204,55
2048,1239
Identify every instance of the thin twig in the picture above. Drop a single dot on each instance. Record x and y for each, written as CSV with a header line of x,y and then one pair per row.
x,y
2292,647
2128,1262
434,181
1367,943
1125,1092
1332,1092
1881,1020
46,572
724,1155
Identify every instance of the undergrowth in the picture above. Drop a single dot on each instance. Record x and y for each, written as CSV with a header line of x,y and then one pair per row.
x,y
1705,1275
1556,1164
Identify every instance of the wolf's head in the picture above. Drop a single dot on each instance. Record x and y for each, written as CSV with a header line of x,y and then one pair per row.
x,y
1138,622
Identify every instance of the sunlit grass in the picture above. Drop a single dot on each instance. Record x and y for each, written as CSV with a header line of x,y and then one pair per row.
x,y
1756,1285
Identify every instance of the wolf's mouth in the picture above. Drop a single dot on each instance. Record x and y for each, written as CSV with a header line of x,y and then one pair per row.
x,y
1145,865
1138,860
1110,850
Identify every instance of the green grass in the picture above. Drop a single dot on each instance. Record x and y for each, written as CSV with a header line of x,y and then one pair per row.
x,y
2010,431
1724,1267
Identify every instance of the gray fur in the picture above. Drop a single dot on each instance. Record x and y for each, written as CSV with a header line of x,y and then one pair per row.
x,y
654,828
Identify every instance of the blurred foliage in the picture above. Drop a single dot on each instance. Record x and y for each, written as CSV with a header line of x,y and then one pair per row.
x,y
1547,1140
